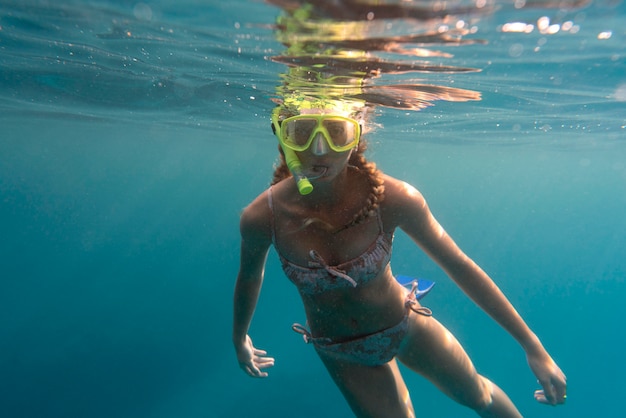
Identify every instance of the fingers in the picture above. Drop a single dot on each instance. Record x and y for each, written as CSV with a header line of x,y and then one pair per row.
x,y
541,397
548,392
257,364
560,390
263,363
252,360
254,371
553,392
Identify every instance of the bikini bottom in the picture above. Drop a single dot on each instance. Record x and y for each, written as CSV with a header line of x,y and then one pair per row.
x,y
369,350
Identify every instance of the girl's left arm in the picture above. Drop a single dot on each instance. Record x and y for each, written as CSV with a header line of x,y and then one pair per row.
x,y
413,216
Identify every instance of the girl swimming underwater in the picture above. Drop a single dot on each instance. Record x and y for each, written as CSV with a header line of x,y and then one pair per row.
x,y
334,240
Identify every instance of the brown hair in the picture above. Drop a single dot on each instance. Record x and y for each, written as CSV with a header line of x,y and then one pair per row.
x,y
367,168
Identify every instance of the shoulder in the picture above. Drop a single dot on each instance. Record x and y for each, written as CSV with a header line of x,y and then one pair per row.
x,y
399,194
402,201
255,222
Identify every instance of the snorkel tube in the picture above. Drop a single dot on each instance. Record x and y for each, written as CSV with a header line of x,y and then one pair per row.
x,y
295,166
293,163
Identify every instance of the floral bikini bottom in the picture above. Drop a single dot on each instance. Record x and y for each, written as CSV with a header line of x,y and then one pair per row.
x,y
370,350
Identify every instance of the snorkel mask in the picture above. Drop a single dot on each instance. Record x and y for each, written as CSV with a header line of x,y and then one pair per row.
x,y
296,133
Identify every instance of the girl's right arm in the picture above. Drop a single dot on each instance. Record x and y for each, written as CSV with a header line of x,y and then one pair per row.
x,y
255,243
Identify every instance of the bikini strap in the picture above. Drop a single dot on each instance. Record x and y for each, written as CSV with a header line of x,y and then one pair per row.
x,y
270,203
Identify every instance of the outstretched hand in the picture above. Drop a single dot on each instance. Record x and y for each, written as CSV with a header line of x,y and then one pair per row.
x,y
550,377
253,360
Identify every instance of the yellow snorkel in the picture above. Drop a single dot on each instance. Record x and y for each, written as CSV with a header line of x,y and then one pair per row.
x,y
295,166
293,163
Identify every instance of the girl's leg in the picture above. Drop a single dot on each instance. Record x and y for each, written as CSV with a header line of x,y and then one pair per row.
x,y
371,392
432,351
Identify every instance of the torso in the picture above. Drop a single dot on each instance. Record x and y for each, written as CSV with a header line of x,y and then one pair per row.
x,y
317,259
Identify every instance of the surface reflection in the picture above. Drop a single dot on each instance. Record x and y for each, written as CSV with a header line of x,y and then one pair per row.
x,y
360,50
371,51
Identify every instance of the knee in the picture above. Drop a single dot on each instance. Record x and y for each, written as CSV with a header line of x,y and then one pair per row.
x,y
482,399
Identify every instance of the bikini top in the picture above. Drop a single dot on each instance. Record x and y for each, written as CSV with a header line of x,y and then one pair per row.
x,y
318,276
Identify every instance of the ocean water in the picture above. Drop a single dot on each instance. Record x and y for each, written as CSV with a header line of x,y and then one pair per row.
x,y
132,134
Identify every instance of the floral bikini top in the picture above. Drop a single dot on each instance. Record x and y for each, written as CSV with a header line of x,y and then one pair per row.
x,y
318,276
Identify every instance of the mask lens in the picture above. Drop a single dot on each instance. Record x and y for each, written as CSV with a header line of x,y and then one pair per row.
x,y
298,131
341,132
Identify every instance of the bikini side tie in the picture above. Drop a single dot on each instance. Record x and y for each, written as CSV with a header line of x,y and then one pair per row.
x,y
411,302
306,334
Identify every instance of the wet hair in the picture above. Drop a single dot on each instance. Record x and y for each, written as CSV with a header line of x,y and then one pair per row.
x,y
366,168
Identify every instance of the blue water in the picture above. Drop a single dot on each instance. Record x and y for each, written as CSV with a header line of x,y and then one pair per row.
x,y
133,134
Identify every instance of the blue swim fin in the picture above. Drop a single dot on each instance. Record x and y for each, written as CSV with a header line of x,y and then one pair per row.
x,y
423,286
